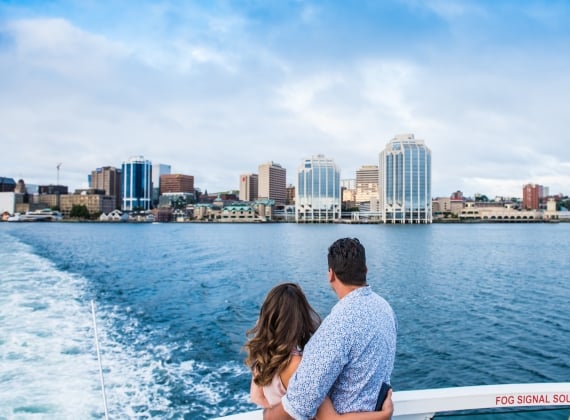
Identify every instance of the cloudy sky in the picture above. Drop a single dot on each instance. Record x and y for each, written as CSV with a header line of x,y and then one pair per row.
x,y
214,88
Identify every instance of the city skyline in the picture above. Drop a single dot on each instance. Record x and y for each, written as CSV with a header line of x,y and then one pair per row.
x,y
215,89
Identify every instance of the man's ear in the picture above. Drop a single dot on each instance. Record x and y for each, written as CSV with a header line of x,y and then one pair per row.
x,y
331,275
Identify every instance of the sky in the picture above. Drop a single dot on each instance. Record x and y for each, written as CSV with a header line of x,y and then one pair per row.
x,y
216,88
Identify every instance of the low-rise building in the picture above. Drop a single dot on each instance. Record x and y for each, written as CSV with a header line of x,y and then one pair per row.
x,y
506,213
96,202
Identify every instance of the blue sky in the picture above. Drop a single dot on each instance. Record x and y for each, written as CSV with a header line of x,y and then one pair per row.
x,y
216,88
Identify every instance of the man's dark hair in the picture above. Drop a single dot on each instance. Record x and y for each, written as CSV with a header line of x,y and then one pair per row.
x,y
348,261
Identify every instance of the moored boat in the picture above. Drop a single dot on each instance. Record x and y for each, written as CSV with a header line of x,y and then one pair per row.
x,y
43,215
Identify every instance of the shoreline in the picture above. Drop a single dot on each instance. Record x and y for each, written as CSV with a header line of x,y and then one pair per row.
x,y
348,222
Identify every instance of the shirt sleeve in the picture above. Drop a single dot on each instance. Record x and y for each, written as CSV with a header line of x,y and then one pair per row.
x,y
324,357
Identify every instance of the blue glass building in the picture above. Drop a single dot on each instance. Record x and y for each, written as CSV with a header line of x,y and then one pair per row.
x,y
317,196
137,184
405,181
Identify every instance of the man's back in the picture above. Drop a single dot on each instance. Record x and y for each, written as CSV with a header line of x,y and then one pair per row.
x,y
348,358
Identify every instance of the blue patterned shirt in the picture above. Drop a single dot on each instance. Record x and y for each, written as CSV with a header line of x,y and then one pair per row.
x,y
347,358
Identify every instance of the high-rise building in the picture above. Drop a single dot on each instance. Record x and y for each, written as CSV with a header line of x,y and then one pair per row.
x,y
107,178
176,183
248,187
349,184
158,169
272,182
367,184
137,184
290,195
533,195
318,196
405,181
348,193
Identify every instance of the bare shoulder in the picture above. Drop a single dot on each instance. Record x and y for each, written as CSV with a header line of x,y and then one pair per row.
x,y
290,370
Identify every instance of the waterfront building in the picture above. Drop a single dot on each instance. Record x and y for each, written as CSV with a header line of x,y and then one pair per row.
x,y
533,196
366,184
40,201
501,213
137,184
248,187
448,206
176,183
441,206
405,181
114,216
96,202
272,182
318,196
238,213
108,179
7,184
7,202
19,201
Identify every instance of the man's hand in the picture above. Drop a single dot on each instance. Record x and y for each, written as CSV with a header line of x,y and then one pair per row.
x,y
388,407
327,411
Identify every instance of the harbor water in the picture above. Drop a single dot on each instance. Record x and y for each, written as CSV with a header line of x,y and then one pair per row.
x,y
477,304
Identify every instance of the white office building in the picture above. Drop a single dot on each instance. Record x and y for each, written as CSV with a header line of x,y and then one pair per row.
x,y
317,197
405,181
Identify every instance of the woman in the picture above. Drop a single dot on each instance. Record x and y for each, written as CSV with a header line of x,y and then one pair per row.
x,y
275,348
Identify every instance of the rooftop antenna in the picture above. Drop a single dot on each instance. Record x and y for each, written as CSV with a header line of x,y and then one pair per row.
x,y
58,165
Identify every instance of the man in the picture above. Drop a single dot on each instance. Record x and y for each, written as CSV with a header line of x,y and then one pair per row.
x,y
353,350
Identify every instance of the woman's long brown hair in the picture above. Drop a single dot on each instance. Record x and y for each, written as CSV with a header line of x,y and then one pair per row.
x,y
286,321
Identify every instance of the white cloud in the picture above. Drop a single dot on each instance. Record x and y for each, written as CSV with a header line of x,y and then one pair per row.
x,y
216,101
57,45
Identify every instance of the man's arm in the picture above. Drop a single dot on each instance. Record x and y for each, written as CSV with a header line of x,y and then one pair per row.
x,y
323,360
276,413
327,411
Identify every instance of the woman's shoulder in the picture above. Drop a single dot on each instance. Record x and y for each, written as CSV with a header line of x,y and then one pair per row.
x,y
290,369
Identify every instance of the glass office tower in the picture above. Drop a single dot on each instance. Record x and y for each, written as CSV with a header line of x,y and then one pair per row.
x,y
405,181
137,184
317,197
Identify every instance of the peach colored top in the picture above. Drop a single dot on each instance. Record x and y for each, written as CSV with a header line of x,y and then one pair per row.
x,y
271,394
274,391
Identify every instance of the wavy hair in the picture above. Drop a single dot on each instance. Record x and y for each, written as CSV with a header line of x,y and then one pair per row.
x,y
286,322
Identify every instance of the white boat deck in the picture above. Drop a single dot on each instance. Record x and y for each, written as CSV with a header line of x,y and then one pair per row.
x,y
424,404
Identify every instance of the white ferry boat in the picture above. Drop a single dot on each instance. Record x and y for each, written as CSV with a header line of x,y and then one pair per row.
x,y
43,215
427,403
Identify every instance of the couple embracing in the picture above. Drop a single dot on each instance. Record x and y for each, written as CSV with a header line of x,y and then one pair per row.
x,y
304,369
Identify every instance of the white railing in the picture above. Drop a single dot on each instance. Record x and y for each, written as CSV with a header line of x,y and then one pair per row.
x,y
424,404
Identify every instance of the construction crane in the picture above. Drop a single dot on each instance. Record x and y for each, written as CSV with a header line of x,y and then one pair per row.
x,y
58,165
